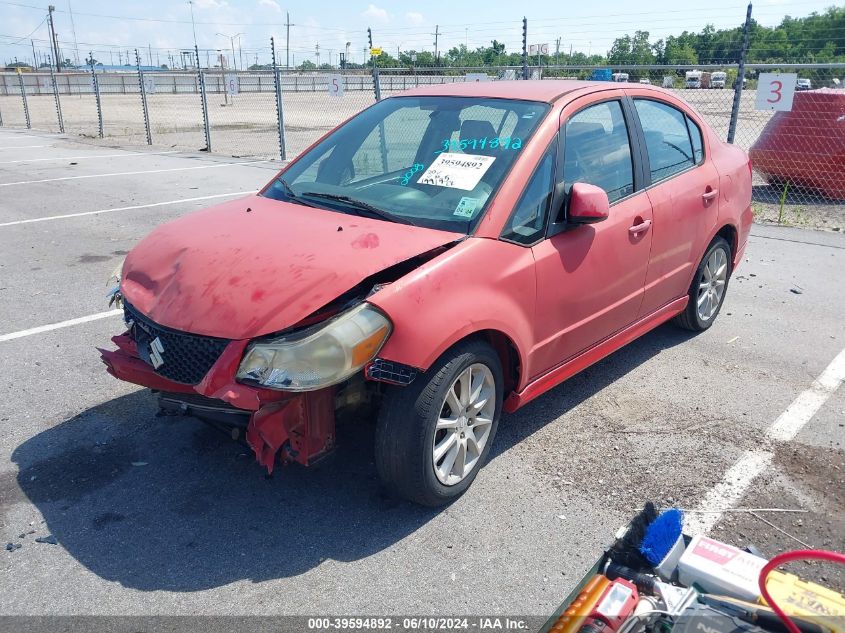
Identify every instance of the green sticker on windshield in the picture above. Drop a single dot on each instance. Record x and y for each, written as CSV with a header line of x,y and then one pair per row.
x,y
466,207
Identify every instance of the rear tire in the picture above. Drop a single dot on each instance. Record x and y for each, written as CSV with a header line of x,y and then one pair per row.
x,y
708,288
433,420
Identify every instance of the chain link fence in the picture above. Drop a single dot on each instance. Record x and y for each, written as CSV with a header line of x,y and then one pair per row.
x,y
798,155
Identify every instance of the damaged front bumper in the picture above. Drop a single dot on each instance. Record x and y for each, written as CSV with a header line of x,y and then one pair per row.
x,y
300,427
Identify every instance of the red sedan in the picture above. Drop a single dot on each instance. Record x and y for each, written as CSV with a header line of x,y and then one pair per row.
x,y
445,255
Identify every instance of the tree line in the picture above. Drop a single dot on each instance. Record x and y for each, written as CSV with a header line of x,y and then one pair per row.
x,y
816,38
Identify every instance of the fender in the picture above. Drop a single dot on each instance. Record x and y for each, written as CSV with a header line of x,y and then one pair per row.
x,y
480,284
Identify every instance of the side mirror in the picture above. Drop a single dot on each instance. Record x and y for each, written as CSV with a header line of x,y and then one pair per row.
x,y
587,204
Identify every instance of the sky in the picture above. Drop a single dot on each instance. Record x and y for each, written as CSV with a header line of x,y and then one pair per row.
x,y
160,28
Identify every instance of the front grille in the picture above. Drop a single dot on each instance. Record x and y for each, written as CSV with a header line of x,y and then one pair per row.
x,y
187,357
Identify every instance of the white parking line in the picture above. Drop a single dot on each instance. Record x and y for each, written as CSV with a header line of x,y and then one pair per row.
x,y
136,206
34,160
56,326
739,477
24,147
727,492
806,405
132,173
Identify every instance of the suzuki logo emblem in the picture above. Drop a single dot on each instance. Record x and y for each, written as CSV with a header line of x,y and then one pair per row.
x,y
156,351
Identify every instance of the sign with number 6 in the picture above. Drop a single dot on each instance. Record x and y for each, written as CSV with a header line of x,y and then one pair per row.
x,y
775,91
233,85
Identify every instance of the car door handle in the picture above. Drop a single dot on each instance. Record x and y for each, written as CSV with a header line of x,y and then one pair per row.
x,y
709,195
639,228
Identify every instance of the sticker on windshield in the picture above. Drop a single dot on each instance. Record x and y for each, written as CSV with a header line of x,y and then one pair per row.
x,y
466,207
456,171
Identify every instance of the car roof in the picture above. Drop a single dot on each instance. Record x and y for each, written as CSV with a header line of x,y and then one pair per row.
x,y
546,90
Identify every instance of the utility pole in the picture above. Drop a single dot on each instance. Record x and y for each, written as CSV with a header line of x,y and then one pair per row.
x,y
557,52
73,30
317,52
241,52
524,48
193,25
34,56
287,41
53,39
150,53
436,40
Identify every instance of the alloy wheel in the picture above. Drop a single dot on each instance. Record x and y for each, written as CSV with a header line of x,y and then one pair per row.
x,y
711,284
464,424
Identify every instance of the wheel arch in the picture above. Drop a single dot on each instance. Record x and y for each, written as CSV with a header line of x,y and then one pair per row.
x,y
508,354
730,234
503,345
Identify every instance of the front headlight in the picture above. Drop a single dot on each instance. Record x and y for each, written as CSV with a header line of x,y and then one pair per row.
x,y
320,356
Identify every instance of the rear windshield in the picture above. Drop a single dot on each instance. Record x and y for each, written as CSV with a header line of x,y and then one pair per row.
x,y
429,161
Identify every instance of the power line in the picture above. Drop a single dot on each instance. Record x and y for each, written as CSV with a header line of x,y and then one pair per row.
x,y
25,37
395,30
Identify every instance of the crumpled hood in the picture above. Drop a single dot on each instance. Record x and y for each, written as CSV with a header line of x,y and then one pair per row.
x,y
255,265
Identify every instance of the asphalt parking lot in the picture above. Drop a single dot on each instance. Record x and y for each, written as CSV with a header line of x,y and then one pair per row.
x,y
161,515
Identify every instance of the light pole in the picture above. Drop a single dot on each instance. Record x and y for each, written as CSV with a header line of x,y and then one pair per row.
x,y
232,42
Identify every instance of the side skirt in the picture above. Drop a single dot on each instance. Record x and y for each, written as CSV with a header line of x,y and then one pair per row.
x,y
594,354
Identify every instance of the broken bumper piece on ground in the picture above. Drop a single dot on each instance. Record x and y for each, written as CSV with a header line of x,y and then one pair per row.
x,y
299,427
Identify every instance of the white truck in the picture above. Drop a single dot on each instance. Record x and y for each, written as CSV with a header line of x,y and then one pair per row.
x,y
693,79
718,79
620,77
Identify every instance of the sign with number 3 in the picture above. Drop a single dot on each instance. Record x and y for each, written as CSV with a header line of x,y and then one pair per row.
x,y
775,91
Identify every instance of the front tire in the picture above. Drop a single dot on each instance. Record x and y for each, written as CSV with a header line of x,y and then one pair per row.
x,y
434,435
709,287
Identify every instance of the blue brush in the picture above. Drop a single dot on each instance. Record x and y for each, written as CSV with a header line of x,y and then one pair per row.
x,y
663,542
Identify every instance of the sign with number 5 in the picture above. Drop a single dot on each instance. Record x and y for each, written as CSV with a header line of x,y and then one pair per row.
x,y
775,91
336,85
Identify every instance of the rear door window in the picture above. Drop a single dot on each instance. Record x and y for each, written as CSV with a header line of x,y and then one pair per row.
x,y
667,138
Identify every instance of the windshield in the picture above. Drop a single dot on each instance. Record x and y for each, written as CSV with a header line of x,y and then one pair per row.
x,y
428,161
